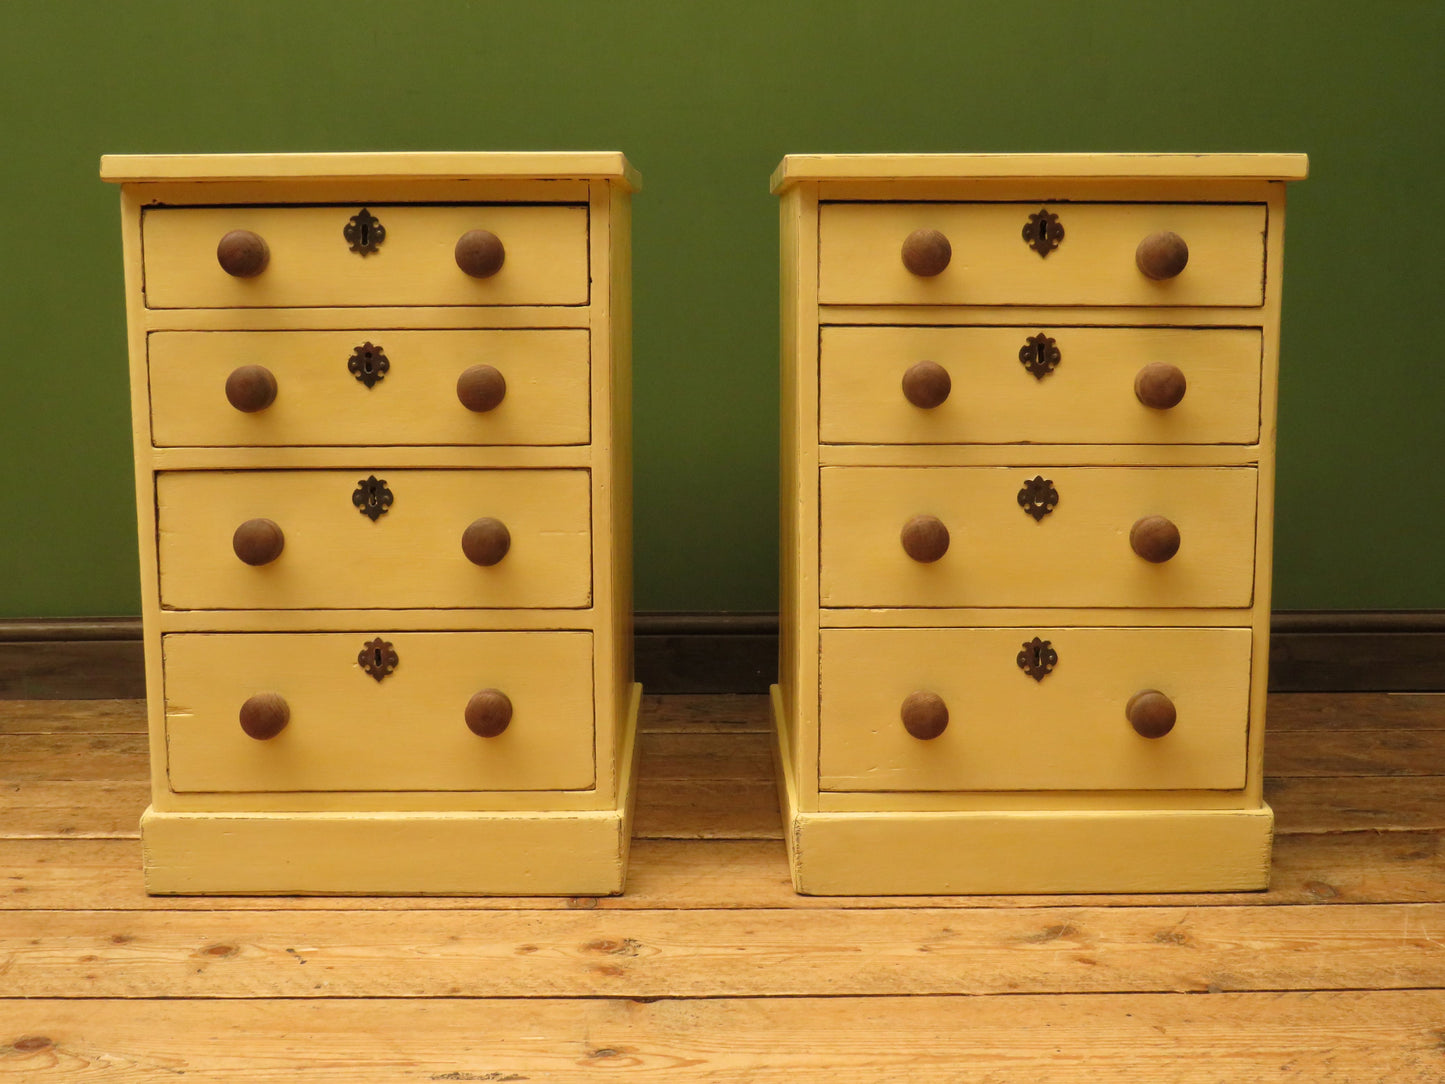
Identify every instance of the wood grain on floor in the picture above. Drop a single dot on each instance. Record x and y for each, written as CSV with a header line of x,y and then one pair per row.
x,y
710,968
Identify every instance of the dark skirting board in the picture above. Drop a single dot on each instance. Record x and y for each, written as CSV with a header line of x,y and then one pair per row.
x,y
1384,651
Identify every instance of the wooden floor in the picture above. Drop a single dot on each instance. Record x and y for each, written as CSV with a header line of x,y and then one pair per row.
x,y
710,968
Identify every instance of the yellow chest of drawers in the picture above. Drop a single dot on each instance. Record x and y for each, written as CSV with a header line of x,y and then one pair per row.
x,y
1028,411
382,439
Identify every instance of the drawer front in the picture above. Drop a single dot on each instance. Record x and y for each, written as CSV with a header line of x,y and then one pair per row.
x,y
1007,731
322,396
311,262
1084,394
999,554
407,732
860,254
335,556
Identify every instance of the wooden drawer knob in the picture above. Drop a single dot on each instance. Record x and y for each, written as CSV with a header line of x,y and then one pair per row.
x,y
925,538
264,716
251,388
926,384
1154,538
481,388
925,715
1160,385
488,713
258,541
480,253
1150,713
926,252
1162,255
486,541
243,254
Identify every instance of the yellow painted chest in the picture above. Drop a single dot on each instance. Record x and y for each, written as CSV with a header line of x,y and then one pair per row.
x,y
382,428
1028,419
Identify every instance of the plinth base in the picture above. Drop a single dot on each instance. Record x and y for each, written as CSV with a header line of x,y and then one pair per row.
x,y
486,853
975,852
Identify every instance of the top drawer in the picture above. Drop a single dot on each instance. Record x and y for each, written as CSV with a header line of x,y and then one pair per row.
x,y
861,261
310,260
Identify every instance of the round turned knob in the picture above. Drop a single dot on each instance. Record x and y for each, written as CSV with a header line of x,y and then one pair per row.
x,y
480,253
488,713
1162,255
481,388
258,541
926,384
925,715
264,716
925,538
1150,713
926,252
1160,385
1154,538
251,388
243,254
486,541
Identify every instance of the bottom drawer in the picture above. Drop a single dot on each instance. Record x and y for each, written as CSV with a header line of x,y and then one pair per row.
x,y
348,731
1006,730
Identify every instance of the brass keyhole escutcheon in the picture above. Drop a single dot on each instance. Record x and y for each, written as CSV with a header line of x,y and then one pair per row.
x,y
364,233
369,364
378,658
372,497
1043,231
1038,497
1040,355
1038,659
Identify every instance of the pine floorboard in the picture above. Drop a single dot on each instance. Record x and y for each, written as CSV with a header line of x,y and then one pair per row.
x,y
710,968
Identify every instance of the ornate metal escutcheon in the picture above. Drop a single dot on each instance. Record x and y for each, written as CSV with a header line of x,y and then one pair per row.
x,y
1038,659
1039,355
368,364
1043,232
372,497
377,658
1038,497
364,232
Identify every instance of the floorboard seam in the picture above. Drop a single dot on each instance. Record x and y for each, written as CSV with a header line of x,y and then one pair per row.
x,y
650,998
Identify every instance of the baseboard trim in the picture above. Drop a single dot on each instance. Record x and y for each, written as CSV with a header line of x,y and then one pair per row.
x,y
1315,651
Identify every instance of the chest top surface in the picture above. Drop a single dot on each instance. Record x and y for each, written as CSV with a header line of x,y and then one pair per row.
x,y
609,166
798,168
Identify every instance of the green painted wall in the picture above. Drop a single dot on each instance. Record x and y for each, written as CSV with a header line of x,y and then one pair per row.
x,y
705,98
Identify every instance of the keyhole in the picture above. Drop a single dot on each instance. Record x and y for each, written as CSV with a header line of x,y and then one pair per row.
x,y
371,499
367,364
376,657
365,240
